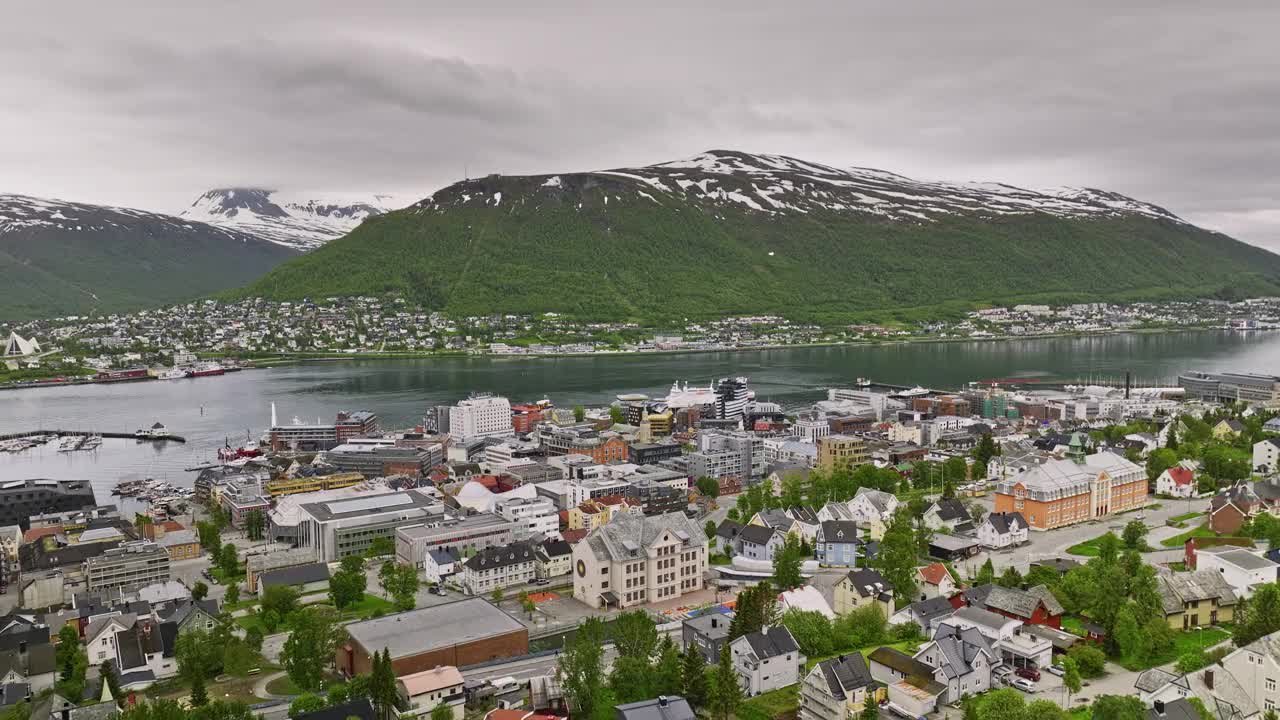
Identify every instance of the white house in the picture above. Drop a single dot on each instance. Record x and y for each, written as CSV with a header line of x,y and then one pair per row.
x,y
1241,569
424,691
439,565
100,636
935,580
1256,669
1002,530
835,689
947,513
1266,456
1177,481
962,661
498,568
869,503
767,660
758,542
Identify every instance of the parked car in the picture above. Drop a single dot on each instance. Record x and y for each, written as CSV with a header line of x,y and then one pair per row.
x,y
542,581
1029,673
1057,670
1023,684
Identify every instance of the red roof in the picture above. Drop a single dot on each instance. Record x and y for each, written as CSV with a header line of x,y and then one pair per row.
x,y
933,574
36,533
573,536
1180,475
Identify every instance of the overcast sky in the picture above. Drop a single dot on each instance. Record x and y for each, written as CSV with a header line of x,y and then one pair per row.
x,y
148,104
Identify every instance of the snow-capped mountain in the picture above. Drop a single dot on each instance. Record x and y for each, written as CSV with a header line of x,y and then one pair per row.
x,y
301,222
779,184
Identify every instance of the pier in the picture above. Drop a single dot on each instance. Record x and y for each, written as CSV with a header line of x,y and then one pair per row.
x,y
86,433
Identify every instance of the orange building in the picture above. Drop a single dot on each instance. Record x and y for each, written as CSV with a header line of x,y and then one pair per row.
x,y
1077,489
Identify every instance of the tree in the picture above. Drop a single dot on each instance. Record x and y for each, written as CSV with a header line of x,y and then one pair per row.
x,y
709,529
382,687
111,680
666,677
400,583
254,525
1010,578
948,489
985,449
726,693
199,696
635,635
282,600
210,537
199,591
708,486
756,607
787,562
497,595
581,669
579,413
381,546
1090,661
870,711
238,658
1071,678
1128,636
229,561
978,471
1260,616
1045,710
1002,704
1134,535
198,655
232,596
812,631
693,679
1108,548
68,646
616,416
1160,460
862,627
986,574
309,647
528,606
442,712
347,585
253,638
305,703
1118,707
896,559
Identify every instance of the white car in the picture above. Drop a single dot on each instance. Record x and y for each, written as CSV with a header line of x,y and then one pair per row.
x,y
1057,670
1023,684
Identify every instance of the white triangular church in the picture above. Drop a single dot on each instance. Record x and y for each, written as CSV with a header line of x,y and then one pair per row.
x,y
17,346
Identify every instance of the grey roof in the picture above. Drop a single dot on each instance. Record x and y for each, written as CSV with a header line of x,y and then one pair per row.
x,y
1180,709
613,539
711,625
806,515
1003,523
880,499
959,648
932,608
757,534
500,557
978,616
772,642
1061,641
13,693
838,531
1246,559
950,509
951,543
1022,603
977,595
296,575
667,707
868,583
845,674
838,510
777,518
729,529
448,556
1268,645
40,659
1153,679
424,630
900,661
1177,589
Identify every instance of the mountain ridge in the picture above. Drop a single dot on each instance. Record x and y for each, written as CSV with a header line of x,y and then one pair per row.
x,y
297,221
63,257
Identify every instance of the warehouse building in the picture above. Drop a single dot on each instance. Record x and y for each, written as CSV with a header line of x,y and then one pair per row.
x,y
460,633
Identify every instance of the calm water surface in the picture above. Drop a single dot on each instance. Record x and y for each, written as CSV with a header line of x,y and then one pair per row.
x,y
207,411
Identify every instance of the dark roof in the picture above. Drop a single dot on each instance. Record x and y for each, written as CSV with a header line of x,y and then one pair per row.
x,y
951,509
40,659
667,707
977,595
845,673
359,708
1180,709
136,643
1003,522
756,534
772,642
900,661
1061,565
556,548
868,583
13,693
498,557
169,636
932,608
838,531
295,575
729,529
806,515
15,639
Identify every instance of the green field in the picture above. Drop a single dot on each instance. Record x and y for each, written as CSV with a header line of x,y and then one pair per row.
x,y
771,705
1181,539
1185,642
1185,517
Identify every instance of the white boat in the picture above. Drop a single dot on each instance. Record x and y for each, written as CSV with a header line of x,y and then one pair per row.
x,y
69,443
93,442
176,373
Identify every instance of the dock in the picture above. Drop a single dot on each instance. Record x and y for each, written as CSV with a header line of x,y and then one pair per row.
x,y
87,433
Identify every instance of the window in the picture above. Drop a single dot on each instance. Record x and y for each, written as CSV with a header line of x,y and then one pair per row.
x,y
1271,684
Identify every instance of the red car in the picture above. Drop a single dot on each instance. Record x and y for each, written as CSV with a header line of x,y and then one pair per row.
x,y
1029,673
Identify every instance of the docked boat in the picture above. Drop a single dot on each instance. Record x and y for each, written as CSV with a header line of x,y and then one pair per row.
x,y
176,373
70,443
156,432
92,442
206,369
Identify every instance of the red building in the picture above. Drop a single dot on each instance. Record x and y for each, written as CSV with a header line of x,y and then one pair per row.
x,y
524,418
1036,606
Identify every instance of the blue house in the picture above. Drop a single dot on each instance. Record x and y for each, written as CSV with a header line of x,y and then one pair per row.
x,y
837,544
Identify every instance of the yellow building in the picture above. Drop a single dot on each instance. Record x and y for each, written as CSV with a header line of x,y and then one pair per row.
x,y
594,513
861,588
1196,599
841,451
660,423
291,486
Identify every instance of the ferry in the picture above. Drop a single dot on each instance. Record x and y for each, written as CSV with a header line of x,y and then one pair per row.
x,y
176,373
206,369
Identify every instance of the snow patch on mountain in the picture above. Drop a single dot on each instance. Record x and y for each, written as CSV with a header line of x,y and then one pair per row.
x,y
298,221
19,212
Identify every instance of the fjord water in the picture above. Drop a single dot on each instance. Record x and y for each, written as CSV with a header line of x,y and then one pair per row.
x,y
211,411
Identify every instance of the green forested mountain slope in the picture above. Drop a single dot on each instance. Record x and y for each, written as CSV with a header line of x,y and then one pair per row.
x,y
61,258
729,233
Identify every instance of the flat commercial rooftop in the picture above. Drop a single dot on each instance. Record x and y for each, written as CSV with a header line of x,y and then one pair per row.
x,y
421,631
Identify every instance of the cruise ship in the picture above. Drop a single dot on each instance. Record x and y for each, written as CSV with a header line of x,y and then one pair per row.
x,y
20,499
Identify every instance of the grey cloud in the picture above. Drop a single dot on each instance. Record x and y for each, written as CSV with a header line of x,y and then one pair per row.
x,y
149,105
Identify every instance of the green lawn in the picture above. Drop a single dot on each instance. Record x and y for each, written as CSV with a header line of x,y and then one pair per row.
x,y
906,646
768,706
1184,642
363,610
1181,539
1185,517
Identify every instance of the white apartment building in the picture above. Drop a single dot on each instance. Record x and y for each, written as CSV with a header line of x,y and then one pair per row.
x,y
580,491
531,516
634,559
498,568
1256,669
1241,569
480,415
811,427
1266,456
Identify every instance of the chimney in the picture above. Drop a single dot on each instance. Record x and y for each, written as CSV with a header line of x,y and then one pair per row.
x,y
66,711
662,701
1159,707
715,623
1208,679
